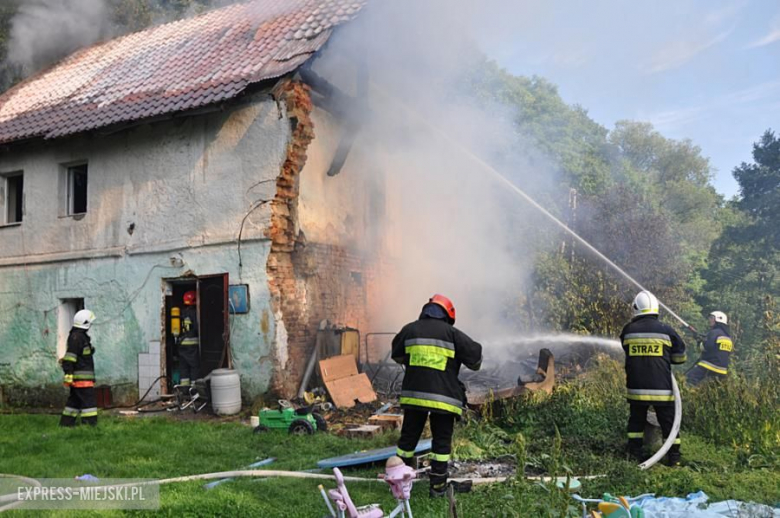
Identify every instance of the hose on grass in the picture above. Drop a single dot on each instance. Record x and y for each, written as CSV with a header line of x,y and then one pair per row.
x,y
673,434
14,498
258,474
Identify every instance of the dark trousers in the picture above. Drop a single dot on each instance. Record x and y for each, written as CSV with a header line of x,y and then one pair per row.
x,y
699,374
636,426
442,426
81,402
189,363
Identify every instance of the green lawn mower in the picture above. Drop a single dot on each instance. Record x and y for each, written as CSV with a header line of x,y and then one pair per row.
x,y
301,421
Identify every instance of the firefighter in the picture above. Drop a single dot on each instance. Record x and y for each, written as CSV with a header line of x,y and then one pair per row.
x,y
714,361
432,350
651,348
189,350
79,368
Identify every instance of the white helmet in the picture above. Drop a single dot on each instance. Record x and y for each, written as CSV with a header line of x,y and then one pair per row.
x,y
720,316
83,319
645,303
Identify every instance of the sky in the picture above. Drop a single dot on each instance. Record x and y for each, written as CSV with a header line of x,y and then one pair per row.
x,y
699,69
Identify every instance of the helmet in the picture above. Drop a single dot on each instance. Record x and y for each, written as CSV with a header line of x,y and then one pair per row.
x,y
645,303
83,319
189,298
720,316
446,303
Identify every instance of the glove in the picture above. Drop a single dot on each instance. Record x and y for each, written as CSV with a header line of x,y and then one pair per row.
x,y
68,380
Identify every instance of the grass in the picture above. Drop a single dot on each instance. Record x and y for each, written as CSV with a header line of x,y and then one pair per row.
x,y
579,430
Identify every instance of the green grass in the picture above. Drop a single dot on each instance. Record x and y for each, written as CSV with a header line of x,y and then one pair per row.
x,y
731,435
34,446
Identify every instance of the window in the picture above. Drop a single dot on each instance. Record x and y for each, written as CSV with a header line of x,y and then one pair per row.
x,y
68,309
77,189
14,197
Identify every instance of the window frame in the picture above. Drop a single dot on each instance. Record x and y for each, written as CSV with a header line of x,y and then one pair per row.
x,y
6,178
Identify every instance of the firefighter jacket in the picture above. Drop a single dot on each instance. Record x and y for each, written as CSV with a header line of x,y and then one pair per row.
x,y
651,348
189,326
717,350
78,361
433,351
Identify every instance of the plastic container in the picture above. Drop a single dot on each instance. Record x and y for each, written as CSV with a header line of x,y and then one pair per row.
x,y
225,392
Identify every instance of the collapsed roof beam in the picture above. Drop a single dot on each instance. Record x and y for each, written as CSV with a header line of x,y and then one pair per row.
x,y
352,110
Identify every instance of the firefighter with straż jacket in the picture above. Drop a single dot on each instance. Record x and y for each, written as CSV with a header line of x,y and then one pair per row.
x,y
79,368
651,348
432,350
718,346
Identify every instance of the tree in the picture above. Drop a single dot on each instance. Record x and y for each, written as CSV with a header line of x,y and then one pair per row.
x,y
743,275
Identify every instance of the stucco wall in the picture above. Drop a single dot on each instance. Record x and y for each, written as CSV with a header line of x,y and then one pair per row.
x,y
186,185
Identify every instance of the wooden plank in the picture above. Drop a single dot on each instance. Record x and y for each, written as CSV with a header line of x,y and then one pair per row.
x,y
344,384
364,431
388,422
338,367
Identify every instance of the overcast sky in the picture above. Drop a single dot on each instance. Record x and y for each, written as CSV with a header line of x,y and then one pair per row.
x,y
699,69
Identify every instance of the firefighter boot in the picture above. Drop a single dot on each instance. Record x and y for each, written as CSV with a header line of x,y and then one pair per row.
x,y
673,457
635,450
438,478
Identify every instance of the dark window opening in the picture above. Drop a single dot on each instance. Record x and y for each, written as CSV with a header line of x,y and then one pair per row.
x,y
77,189
15,190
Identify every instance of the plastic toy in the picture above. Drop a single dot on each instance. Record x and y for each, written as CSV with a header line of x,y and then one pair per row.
x,y
399,477
612,507
301,421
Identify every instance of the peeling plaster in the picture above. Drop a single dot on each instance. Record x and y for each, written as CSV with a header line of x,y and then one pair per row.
x,y
280,341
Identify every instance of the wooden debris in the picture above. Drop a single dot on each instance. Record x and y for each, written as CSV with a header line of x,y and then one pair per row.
x,y
387,422
344,384
365,431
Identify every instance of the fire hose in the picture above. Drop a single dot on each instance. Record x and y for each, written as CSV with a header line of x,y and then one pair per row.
x,y
459,147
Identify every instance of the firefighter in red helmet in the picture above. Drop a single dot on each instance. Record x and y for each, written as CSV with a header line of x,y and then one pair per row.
x,y
432,350
189,350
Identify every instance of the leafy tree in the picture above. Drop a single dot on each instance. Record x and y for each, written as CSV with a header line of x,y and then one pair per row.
x,y
743,274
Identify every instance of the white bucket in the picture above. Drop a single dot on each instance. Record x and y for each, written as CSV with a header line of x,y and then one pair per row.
x,y
225,392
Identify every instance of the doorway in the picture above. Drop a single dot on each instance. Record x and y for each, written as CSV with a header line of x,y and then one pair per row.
x,y
212,323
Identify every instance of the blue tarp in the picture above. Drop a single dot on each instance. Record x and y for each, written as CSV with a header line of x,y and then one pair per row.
x,y
695,506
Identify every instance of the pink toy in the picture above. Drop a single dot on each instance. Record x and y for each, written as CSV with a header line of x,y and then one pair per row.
x,y
399,476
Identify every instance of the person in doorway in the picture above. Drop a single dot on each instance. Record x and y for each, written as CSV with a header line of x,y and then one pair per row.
x,y
651,348
189,344
718,346
78,367
432,350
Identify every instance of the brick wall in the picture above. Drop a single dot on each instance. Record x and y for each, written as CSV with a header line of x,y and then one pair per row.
x,y
308,282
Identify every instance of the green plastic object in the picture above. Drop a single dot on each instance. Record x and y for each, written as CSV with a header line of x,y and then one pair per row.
x,y
574,485
297,422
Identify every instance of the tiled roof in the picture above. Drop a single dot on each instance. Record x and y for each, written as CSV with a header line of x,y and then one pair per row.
x,y
177,66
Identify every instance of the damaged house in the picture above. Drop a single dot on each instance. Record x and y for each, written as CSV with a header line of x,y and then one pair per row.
x,y
195,155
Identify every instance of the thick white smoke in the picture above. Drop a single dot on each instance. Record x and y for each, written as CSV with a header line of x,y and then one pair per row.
x,y
449,228
44,31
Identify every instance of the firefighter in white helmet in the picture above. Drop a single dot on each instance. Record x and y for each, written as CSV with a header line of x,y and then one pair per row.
x,y
79,369
718,346
651,348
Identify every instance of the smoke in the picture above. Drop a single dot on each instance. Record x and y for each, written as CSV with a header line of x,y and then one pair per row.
x,y
44,31
449,228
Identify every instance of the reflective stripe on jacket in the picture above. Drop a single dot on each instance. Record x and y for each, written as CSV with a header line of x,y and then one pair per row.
x,y
717,350
651,348
78,360
433,351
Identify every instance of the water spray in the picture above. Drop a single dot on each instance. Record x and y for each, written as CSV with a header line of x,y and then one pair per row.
x,y
514,188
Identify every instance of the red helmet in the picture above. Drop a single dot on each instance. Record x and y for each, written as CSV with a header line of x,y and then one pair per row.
x,y
189,298
446,303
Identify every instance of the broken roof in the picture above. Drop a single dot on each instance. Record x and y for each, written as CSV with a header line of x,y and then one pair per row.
x,y
177,66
